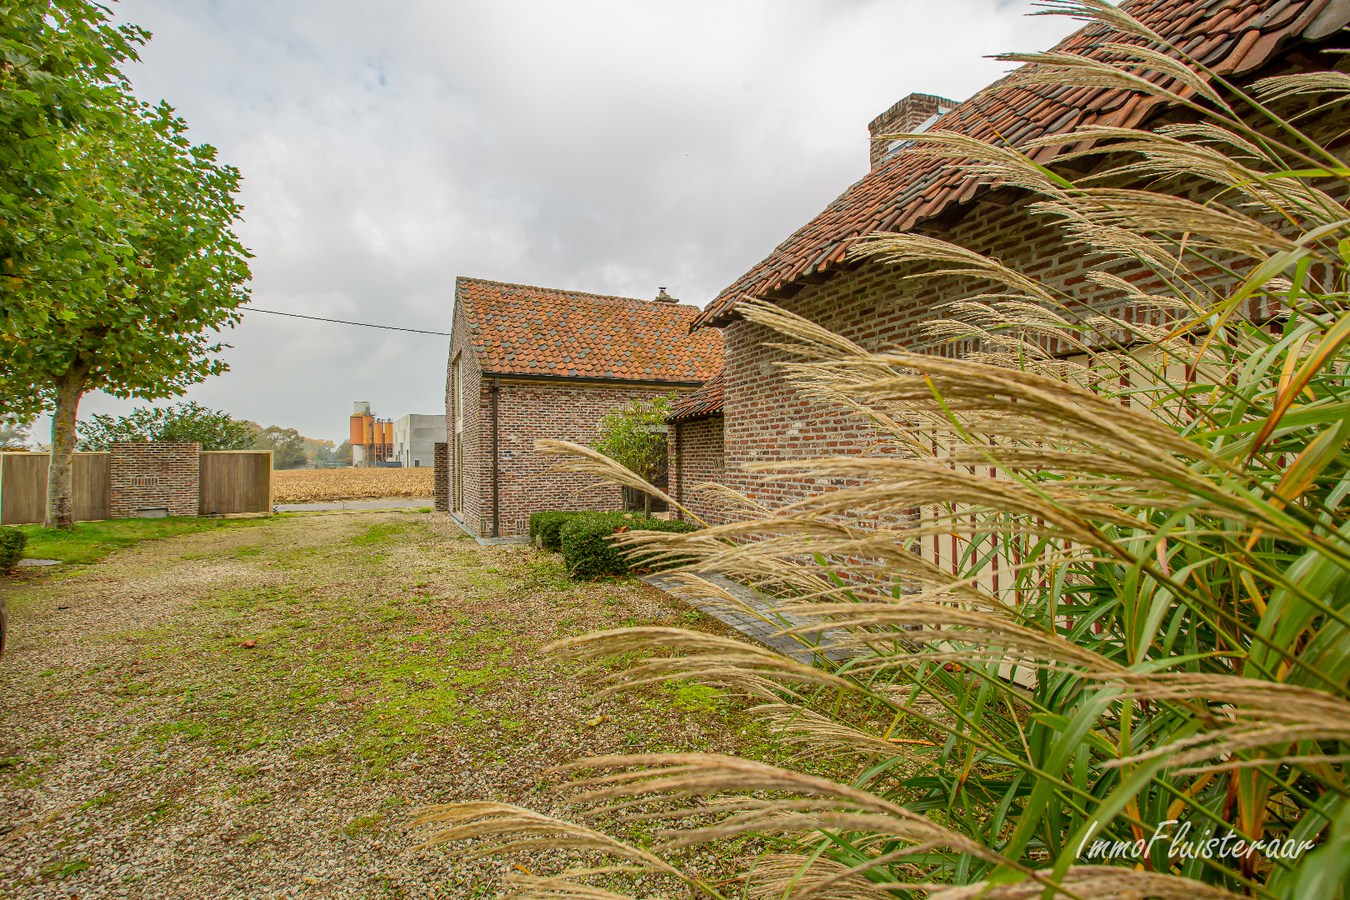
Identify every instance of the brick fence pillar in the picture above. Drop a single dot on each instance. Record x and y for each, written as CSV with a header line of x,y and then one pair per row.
x,y
441,484
144,478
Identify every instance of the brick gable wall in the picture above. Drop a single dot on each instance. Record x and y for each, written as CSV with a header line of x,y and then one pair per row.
x,y
472,452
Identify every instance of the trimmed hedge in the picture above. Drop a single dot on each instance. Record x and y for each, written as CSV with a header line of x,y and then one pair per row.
x,y
549,523
12,542
588,548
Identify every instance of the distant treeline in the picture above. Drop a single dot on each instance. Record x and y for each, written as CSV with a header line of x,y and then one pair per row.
x,y
213,429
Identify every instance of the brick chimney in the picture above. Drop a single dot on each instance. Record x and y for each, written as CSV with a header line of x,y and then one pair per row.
x,y
914,113
663,297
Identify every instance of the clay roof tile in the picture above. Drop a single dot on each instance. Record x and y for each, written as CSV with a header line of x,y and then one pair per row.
x,y
574,334
706,401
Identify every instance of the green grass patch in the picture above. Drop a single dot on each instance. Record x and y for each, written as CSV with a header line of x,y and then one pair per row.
x,y
693,698
166,731
89,542
380,534
100,800
63,869
362,824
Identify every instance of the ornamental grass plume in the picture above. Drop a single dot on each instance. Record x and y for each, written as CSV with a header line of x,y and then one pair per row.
x,y
1168,640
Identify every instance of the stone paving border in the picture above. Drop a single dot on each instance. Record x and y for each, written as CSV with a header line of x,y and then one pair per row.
x,y
757,621
489,542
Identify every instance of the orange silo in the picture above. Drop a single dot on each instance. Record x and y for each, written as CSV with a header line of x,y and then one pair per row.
x,y
361,433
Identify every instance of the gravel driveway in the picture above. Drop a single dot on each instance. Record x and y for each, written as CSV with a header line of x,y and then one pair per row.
x,y
254,712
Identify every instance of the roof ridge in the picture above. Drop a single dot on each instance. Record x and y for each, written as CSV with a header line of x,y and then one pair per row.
x,y
571,293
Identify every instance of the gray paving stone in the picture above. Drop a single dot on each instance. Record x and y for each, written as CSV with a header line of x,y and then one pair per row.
x,y
769,633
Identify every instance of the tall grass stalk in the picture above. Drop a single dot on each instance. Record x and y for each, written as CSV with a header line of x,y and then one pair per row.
x,y
1167,645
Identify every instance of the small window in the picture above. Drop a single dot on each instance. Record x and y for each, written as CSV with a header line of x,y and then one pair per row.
x,y
417,464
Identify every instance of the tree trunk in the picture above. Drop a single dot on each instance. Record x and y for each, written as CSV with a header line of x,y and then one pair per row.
x,y
60,483
646,506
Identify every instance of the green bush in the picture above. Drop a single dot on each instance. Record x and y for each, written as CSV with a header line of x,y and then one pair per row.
x,y
548,524
589,550
12,542
586,547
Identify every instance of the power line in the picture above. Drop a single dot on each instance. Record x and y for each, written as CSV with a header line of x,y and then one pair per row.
x,y
273,312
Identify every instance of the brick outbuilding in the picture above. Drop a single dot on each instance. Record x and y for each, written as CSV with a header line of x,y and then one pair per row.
x,y
755,416
530,363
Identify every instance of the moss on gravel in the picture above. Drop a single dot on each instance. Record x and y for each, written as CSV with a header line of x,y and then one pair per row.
x,y
243,711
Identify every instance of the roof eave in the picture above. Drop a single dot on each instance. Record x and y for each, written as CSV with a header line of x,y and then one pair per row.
x,y
526,376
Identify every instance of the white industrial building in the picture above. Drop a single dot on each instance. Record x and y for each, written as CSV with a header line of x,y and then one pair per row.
x,y
415,440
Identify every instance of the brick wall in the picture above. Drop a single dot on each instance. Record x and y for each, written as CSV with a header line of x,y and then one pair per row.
x,y
878,306
471,453
160,475
534,410
440,490
696,457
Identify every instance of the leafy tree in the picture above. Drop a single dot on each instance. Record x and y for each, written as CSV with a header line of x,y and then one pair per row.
x,y
634,437
286,444
344,452
317,449
151,276
184,422
13,436
59,72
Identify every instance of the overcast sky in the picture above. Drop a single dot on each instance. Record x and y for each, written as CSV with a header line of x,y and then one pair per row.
x,y
600,146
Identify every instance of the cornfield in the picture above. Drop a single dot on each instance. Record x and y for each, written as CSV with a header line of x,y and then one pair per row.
x,y
332,485
1164,662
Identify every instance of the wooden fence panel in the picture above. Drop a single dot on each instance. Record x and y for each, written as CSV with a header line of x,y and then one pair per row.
x,y
23,487
235,481
92,474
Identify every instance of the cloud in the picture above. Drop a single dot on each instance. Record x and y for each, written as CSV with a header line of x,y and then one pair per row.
x,y
603,146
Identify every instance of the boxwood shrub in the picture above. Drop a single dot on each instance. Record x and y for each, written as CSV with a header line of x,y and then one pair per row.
x,y
549,523
589,550
12,542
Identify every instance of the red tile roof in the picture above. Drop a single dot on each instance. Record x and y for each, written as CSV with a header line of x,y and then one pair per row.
x,y
523,330
1232,37
706,401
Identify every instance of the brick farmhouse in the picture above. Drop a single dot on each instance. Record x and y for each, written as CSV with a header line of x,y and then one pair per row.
x,y
532,363
750,414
